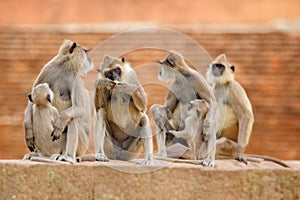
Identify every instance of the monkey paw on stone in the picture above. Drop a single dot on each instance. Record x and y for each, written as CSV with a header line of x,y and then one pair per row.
x,y
146,162
63,158
30,143
208,163
101,157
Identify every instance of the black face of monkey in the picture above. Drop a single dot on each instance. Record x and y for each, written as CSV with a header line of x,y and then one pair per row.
x,y
218,69
113,74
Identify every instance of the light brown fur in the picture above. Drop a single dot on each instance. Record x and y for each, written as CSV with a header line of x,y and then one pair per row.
x,y
63,75
186,85
122,126
235,109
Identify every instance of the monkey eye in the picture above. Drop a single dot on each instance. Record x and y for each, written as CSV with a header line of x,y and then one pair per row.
x,y
171,63
219,66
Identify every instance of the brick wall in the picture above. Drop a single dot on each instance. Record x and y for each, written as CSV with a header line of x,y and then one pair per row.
x,y
267,65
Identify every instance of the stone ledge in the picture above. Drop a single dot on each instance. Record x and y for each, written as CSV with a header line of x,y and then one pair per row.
x,y
229,179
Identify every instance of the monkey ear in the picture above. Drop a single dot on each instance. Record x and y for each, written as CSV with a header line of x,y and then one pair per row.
x,y
170,62
232,68
30,97
49,98
123,59
221,58
72,47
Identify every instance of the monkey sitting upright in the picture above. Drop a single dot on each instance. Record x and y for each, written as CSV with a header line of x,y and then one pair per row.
x,y
235,109
192,132
122,126
44,115
64,73
186,85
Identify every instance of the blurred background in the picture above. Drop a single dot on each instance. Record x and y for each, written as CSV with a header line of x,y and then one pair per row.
x,y
260,37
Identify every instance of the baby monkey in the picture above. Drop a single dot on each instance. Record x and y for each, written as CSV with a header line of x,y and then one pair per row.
x,y
192,131
44,115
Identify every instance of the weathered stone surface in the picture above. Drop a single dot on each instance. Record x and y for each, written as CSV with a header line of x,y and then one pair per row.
x,y
229,179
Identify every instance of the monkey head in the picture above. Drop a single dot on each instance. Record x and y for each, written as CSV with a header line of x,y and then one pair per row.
x,y
220,71
41,94
76,57
113,68
198,107
172,65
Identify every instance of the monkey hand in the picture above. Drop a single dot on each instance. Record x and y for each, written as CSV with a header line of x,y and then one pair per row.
x,y
59,126
208,162
30,143
105,82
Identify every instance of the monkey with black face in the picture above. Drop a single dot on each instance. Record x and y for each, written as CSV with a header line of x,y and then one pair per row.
x,y
235,109
44,115
186,85
63,75
122,126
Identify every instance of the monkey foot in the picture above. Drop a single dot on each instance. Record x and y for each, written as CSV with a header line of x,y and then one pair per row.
x,y
242,159
63,158
101,157
146,162
28,156
208,163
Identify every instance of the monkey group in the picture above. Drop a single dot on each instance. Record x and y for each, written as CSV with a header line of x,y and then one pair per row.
x,y
200,120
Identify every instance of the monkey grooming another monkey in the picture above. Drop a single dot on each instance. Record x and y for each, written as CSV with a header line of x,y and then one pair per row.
x,y
63,75
186,85
43,117
122,126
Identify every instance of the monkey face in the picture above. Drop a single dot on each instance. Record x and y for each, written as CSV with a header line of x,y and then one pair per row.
x,y
218,69
113,74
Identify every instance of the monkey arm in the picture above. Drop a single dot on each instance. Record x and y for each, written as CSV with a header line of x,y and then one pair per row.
x,y
171,103
242,107
137,94
102,92
29,135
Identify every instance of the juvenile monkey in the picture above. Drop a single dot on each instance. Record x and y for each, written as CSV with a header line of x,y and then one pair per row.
x,y
122,126
186,85
63,75
236,116
192,132
44,115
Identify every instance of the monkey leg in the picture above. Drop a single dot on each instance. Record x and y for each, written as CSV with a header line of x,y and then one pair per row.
x,y
146,138
177,150
100,132
159,115
208,150
77,141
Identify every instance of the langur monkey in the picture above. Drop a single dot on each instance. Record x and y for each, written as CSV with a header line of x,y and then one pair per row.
x,y
236,116
235,109
192,132
122,126
63,75
44,115
186,85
